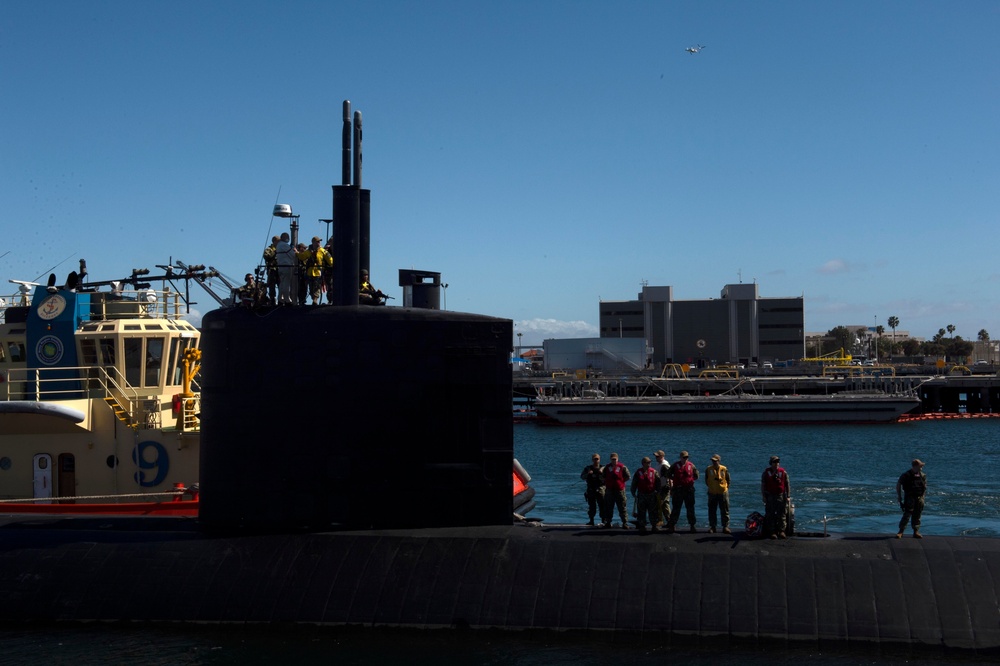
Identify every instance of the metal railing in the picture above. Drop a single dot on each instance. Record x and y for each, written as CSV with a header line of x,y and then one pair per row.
x,y
142,412
151,303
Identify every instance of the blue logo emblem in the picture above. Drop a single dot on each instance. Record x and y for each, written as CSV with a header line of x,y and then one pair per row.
x,y
49,350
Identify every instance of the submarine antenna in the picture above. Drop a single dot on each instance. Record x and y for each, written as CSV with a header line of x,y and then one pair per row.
x,y
345,160
357,149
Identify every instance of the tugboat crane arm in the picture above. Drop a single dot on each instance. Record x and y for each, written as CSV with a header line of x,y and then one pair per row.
x,y
141,278
198,274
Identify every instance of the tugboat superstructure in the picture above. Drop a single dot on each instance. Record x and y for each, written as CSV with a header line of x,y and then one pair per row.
x,y
98,393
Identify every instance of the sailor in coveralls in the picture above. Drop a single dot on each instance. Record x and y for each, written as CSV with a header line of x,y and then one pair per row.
x,y
910,491
593,474
775,488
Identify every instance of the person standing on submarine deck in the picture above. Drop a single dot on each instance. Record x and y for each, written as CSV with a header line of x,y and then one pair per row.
x,y
682,474
367,293
593,474
645,484
271,269
717,479
328,273
286,261
615,476
317,260
663,501
910,490
775,489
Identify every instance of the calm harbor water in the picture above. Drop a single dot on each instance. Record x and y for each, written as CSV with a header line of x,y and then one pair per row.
x,y
846,473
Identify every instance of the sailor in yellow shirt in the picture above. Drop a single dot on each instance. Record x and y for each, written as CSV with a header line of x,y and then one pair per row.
x,y
314,260
367,293
717,480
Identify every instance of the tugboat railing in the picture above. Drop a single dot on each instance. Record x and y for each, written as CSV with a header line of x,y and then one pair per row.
x,y
190,413
152,303
136,410
67,383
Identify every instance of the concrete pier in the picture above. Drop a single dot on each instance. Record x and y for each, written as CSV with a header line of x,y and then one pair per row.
x,y
850,588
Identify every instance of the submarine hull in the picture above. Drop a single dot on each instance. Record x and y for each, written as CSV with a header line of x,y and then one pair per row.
x,y
849,589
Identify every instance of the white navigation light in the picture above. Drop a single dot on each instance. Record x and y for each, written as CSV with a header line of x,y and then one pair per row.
x,y
282,210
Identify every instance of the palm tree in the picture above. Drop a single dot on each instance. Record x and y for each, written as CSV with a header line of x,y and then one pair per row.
x,y
951,330
893,323
984,337
879,330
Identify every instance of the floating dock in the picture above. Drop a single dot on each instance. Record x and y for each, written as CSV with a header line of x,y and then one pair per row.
x,y
938,394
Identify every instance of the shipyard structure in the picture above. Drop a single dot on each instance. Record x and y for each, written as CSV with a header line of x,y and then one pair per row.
x,y
737,327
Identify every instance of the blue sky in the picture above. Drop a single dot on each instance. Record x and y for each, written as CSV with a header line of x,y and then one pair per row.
x,y
541,155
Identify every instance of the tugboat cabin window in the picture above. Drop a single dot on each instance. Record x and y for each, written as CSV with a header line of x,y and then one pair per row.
x,y
107,352
143,360
88,351
177,347
16,350
133,361
154,361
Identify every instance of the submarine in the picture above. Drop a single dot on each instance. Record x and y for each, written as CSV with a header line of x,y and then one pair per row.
x,y
323,504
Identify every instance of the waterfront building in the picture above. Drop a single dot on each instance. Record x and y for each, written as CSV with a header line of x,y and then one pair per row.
x,y
737,327
597,355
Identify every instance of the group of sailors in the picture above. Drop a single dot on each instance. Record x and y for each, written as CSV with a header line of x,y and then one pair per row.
x,y
661,490
296,274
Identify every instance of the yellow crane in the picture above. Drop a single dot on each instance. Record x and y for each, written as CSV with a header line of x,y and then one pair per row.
x,y
836,357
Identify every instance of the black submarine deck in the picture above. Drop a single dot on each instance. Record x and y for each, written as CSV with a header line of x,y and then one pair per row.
x,y
846,588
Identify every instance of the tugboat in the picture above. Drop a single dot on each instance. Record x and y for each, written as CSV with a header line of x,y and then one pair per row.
x,y
99,404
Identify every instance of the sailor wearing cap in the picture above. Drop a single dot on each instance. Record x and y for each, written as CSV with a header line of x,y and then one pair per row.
x,y
593,474
775,488
717,480
662,467
286,262
249,294
271,266
682,476
314,260
615,476
910,491
367,293
645,485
